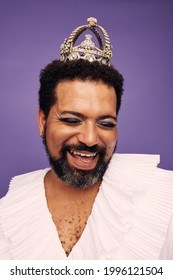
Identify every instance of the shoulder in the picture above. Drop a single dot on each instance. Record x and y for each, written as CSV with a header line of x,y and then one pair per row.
x,y
23,191
25,197
167,249
143,194
22,184
143,163
4,248
134,171
27,178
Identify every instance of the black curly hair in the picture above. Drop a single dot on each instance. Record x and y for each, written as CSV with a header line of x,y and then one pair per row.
x,y
58,71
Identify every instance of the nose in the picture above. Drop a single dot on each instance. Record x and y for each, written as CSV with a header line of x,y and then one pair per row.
x,y
88,135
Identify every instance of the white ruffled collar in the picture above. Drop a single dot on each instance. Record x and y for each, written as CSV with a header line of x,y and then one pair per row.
x,y
128,220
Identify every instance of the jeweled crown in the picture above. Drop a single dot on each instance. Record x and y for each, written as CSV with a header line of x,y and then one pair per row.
x,y
87,49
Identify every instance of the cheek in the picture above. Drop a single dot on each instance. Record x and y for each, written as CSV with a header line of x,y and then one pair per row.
x,y
58,136
110,143
54,139
110,150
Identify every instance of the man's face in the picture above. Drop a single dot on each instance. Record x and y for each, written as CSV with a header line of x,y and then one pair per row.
x,y
80,132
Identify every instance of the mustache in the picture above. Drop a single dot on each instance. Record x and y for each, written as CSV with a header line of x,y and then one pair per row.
x,y
83,147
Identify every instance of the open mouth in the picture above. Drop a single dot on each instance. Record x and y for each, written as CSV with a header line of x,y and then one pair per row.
x,y
82,159
83,154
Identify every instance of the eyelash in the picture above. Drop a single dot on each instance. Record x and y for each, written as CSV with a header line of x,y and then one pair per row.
x,y
107,124
73,121
70,120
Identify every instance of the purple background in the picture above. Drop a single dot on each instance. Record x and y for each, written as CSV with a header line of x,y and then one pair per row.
x,y
30,35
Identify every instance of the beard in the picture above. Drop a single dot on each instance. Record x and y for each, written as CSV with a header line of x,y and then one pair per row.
x,y
73,176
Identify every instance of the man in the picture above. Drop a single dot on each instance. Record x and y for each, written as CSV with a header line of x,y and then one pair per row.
x,y
91,203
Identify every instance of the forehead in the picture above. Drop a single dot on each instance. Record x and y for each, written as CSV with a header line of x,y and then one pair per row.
x,y
87,96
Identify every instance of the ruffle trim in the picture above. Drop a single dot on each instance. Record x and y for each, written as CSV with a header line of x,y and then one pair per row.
x,y
25,218
129,218
132,210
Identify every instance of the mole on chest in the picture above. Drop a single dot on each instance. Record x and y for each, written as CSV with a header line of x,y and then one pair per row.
x,y
70,228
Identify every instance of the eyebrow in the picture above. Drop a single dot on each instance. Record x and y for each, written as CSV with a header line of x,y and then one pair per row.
x,y
77,114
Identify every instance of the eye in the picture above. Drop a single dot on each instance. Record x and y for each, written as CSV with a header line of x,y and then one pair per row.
x,y
70,120
107,124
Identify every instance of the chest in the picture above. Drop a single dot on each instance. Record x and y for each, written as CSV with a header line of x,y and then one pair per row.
x,y
70,221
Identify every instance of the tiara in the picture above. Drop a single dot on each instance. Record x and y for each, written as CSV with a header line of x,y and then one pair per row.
x,y
87,49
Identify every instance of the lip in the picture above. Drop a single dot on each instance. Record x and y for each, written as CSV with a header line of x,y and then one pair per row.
x,y
83,163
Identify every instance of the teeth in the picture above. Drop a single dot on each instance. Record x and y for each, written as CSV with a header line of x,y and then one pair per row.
x,y
83,155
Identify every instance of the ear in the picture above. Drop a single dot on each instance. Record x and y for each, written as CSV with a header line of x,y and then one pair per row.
x,y
41,122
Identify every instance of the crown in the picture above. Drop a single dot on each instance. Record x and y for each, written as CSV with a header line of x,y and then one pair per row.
x,y
87,49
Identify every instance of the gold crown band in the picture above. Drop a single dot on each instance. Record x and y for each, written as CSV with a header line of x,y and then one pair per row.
x,y
87,49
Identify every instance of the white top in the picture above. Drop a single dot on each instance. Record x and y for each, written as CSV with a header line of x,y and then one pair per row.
x,y
129,218
167,250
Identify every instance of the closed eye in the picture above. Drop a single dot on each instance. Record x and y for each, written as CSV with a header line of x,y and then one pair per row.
x,y
70,120
107,124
